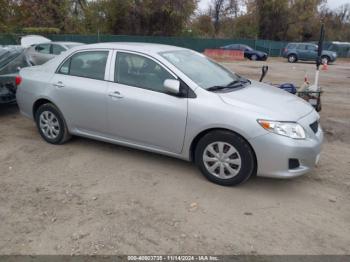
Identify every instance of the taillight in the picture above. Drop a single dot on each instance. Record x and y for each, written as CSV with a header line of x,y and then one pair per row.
x,y
285,49
18,80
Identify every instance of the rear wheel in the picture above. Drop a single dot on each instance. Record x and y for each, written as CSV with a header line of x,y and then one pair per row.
x,y
254,57
325,60
225,158
292,58
51,124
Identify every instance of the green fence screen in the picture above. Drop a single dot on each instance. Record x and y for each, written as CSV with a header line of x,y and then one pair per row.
x,y
273,48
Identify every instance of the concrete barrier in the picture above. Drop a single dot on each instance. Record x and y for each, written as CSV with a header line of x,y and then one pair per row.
x,y
224,55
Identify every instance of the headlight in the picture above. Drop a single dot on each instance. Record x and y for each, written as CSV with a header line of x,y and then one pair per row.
x,y
289,129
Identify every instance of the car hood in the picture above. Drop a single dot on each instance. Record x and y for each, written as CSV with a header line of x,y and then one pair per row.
x,y
269,102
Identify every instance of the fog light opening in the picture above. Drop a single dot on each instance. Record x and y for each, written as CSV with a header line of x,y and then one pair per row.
x,y
294,163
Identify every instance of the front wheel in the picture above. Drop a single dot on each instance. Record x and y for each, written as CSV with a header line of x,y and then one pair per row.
x,y
225,158
292,58
51,124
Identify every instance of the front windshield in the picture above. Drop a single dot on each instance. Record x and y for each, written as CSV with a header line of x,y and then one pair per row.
x,y
200,69
248,48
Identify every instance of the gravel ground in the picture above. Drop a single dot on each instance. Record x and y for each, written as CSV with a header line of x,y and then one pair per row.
x,y
89,197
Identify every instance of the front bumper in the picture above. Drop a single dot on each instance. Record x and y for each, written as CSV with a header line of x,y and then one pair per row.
x,y
273,152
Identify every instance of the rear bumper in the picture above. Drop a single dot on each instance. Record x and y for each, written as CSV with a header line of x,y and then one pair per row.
x,y
7,96
273,152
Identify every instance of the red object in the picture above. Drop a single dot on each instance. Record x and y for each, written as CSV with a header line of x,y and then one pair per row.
x,y
18,80
224,55
325,67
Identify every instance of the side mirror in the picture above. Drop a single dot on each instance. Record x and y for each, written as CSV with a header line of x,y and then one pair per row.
x,y
172,86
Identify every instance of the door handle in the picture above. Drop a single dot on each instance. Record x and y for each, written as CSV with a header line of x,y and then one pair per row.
x,y
59,84
115,94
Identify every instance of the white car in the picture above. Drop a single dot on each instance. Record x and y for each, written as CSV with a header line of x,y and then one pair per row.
x,y
41,49
42,53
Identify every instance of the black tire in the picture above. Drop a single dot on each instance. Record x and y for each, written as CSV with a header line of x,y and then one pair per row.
x,y
325,59
62,133
254,57
248,163
292,58
319,106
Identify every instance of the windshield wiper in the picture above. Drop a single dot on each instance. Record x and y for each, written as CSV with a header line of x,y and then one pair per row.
x,y
234,84
240,82
215,88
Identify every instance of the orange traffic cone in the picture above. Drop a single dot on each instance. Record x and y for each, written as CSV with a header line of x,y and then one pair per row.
x,y
325,66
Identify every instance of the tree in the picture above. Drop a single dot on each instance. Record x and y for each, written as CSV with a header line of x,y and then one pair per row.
x,y
272,18
221,9
4,14
41,13
304,20
203,26
148,17
337,21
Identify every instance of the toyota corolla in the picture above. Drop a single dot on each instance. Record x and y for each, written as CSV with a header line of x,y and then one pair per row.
x,y
175,102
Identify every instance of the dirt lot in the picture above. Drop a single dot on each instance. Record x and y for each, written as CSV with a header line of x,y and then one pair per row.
x,y
89,197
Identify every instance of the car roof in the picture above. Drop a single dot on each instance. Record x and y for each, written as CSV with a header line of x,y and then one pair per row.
x,y
66,43
133,46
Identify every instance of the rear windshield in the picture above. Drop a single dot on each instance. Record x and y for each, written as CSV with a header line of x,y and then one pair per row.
x,y
8,54
291,46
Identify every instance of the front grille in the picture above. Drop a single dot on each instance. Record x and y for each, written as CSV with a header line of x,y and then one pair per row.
x,y
314,126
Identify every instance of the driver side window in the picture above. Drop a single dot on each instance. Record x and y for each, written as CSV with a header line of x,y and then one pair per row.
x,y
139,71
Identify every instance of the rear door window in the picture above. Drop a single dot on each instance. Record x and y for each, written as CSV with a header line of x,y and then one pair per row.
x,y
302,47
91,64
43,48
311,47
57,49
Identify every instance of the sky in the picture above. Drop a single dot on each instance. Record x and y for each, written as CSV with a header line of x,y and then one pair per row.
x,y
333,4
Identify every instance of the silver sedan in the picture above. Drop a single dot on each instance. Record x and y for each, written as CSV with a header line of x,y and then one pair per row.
x,y
175,102
41,53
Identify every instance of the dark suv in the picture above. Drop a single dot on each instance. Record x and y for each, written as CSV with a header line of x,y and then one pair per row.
x,y
307,52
